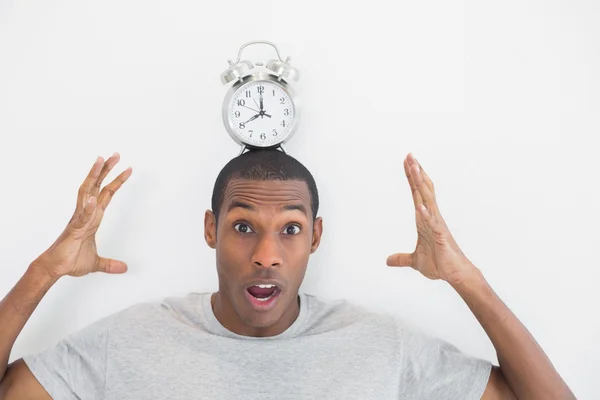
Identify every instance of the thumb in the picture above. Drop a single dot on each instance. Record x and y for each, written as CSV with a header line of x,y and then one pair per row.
x,y
400,260
111,266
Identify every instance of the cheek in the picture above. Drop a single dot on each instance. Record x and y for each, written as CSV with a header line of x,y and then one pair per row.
x,y
296,250
231,255
299,244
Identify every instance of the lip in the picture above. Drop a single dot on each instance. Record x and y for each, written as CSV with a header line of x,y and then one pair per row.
x,y
263,305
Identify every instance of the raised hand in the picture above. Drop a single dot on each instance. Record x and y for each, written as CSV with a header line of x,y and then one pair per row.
x,y
74,252
437,255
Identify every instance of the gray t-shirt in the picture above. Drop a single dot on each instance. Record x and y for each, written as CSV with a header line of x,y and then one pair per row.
x,y
177,349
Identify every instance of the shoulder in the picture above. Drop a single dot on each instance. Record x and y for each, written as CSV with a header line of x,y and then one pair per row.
x,y
183,308
145,315
336,314
326,315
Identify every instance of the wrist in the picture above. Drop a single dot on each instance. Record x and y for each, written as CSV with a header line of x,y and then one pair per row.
x,y
464,271
469,278
40,273
473,286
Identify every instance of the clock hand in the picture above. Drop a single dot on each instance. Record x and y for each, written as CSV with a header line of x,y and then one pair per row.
x,y
257,106
252,109
261,103
252,119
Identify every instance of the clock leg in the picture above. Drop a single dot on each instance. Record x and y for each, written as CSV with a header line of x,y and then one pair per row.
x,y
242,150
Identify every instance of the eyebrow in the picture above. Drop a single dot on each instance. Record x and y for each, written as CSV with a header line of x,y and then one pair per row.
x,y
250,207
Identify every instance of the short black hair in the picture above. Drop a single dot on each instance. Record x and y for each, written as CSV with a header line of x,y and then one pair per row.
x,y
264,165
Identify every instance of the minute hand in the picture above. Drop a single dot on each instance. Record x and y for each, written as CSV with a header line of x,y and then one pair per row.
x,y
262,109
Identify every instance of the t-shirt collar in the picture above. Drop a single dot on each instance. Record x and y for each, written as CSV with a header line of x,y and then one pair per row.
x,y
217,328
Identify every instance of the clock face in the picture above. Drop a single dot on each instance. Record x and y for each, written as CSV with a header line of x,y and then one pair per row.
x,y
261,113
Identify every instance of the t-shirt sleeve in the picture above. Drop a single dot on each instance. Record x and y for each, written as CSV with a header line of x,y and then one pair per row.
x,y
432,368
74,368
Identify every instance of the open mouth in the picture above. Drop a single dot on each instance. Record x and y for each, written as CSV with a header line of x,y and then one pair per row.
x,y
263,296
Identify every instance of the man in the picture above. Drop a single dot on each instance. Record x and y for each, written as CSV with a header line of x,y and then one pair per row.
x,y
258,337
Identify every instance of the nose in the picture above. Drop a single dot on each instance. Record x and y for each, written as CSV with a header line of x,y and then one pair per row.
x,y
267,252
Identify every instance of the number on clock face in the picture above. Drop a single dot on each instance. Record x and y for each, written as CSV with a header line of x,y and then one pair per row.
x,y
266,125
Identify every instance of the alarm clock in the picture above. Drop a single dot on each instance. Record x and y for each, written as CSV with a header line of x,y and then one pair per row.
x,y
261,110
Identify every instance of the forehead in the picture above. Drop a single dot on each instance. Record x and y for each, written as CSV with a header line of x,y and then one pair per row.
x,y
268,193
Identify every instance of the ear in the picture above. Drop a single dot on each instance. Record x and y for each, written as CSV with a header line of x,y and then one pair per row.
x,y
210,229
317,232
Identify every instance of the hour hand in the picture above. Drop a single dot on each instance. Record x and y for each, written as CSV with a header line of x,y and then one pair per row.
x,y
253,118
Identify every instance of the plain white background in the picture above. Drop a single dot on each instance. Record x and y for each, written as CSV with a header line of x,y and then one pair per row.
x,y
500,103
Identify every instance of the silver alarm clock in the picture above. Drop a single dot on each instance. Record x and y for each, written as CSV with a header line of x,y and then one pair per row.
x,y
260,109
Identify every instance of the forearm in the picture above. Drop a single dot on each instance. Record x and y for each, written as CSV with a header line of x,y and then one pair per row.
x,y
523,363
17,307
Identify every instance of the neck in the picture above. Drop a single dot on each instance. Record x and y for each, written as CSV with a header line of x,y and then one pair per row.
x,y
229,318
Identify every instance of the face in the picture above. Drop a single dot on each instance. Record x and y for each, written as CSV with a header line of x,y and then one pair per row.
x,y
261,113
264,237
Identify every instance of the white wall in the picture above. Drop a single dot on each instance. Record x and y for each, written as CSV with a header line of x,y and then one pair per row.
x,y
500,103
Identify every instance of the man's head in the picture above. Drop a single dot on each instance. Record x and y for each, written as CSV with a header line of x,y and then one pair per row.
x,y
264,226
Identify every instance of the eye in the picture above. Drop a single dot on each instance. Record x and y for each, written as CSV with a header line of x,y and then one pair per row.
x,y
292,230
242,227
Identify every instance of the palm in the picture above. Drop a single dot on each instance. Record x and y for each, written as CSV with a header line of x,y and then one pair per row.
x,y
424,259
74,253
88,254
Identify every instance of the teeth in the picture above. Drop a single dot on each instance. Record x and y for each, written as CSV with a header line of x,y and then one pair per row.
x,y
269,286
